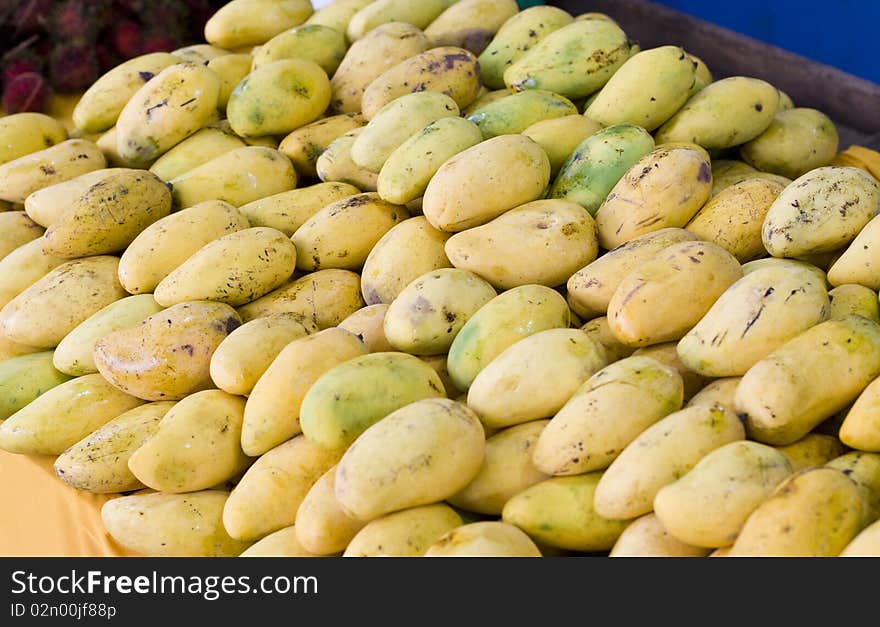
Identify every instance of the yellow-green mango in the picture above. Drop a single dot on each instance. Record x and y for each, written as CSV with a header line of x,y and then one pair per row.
x,y
512,388
337,13
598,163
197,444
518,111
709,505
335,164
405,533
859,429
821,211
857,262
865,544
269,494
852,298
272,411
396,122
507,470
664,298
322,526
27,132
814,449
725,113
755,315
16,229
201,146
58,163
428,313
666,353
100,105
231,69
380,12
488,538
43,313
659,455
109,215
342,234
798,140
23,267
406,252
726,172
406,172
171,525
74,354
559,137
777,413
734,216
235,269
24,378
46,204
703,75
646,90
345,400
573,61
590,289
512,315
665,188
423,452
245,354
451,70
281,543
470,24
168,355
167,109
647,537
598,329
515,37
326,297
559,512
237,176
99,462
540,242
278,97
324,45
606,413
863,468
367,324
168,242
305,144
515,168
242,23
287,211
367,58
63,415
820,509
200,54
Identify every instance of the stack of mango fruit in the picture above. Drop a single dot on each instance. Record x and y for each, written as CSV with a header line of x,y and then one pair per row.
x,y
444,278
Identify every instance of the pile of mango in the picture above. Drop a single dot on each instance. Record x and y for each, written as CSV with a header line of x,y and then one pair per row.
x,y
444,278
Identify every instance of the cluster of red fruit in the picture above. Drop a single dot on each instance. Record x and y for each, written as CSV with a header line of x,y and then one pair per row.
x,y
63,46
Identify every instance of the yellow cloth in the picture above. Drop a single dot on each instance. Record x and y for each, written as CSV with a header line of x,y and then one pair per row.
x,y
44,517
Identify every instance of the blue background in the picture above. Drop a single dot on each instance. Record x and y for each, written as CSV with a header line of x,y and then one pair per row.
x,y
841,33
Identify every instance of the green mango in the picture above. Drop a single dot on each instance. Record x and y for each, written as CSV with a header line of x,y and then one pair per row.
x,y
359,392
574,61
598,163
516,112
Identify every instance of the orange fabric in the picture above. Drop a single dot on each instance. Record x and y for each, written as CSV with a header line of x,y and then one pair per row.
x,y
44,517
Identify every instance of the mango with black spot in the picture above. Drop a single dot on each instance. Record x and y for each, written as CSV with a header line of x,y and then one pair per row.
x,y
167,109
278,97
347,399
168,355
